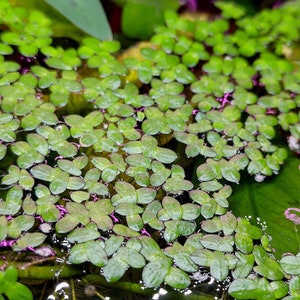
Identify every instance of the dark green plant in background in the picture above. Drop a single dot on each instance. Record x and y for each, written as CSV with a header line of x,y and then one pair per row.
x,y
123,162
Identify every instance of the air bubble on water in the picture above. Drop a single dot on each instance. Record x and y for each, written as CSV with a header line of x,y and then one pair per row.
x,y
59,260
61,292
161,292
187,292
57,273
212,280
62,285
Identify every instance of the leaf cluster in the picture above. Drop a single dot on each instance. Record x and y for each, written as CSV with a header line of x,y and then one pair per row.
x,y
98,146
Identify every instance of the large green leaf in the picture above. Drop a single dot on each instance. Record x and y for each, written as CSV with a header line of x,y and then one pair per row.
x,y
136,27
268,202
88,16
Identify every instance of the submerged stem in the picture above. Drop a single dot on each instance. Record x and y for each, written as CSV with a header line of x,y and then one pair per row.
x,y
45,272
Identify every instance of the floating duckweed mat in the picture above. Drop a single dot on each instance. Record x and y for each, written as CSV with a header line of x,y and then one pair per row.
x,y
120,164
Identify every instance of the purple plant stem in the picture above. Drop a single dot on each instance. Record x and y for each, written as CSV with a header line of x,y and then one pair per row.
x,y
293,216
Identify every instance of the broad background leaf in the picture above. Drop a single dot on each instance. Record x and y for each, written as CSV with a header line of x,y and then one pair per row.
x,y
87,15
268,201
136,27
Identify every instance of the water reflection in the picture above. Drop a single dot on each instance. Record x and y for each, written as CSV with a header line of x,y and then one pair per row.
x,y
77,290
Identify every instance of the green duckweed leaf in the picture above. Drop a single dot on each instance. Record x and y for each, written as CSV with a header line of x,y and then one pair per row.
x,y
219,266
294,285
190,211
25,180
59,181
49,212
3,150
244,265
3,228
19,224
215,242
202,257
42,172
92,251
290,264
66,224
114,269
12,176
245,288
75,183
124,231
80,196
81,235
150,249
132,257
38,142
212,226
29,240
177,185
65,149
172,208
154,272
177,278
164,155
113,243
69,167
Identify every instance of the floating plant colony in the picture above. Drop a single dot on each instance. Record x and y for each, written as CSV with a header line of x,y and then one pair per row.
x,y
128,162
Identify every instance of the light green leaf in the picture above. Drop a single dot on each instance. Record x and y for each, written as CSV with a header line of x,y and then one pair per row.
x,y
150,249
245,288
154,273
113,243
177,278
219,266
114,269
66,224
145,195
164,155
132,257
59,182
38,143
29,240
69,167
291,264
215,242
125,231
81,235
80,196
3,228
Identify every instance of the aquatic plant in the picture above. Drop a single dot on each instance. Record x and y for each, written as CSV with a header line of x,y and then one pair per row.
x,y
128,162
